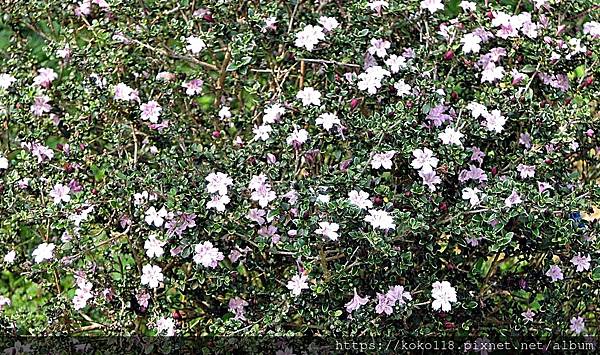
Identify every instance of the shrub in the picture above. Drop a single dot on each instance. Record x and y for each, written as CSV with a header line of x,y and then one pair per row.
x,y
328,168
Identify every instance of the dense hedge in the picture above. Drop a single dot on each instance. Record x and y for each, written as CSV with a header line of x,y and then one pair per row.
x,y
332,167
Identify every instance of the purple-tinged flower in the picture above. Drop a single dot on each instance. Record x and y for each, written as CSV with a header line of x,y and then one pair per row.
x,y
437,115
554,273
384,304
581,262
356,302
207,255
526,171
577,325
525,139
513,199
236,306
40,105
528,315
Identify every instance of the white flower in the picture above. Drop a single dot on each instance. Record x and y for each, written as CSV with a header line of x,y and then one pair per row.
x,y
477,109
43,252
3,162
60,193
273,113
165,326
380,219
328,23
297,284
432,5
395,63
371,79
262,132
224,112
328,230
155,217
470,43
218,182
309,37
382,160
467,5
471,195
360,199
492,73
323,198
379,47
402,88
327,120
494,121
195,44
9,258
151,275
451,136
6,80
309,96
218,202
153,247
424,159
443,295
297,137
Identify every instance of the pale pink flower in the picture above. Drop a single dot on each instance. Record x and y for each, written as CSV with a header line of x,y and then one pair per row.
x,y
384,304
379,47
360,199
40,105
526,171
218,182
150,111
195,44
380,219
424,159
443,295
430,178
207,255
298,137
395,63
327,120
328,230
382,160
513,199
45,77
193,87
60,193
154,247
124,92
451,136
218,202
297,284
328,23
155,217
